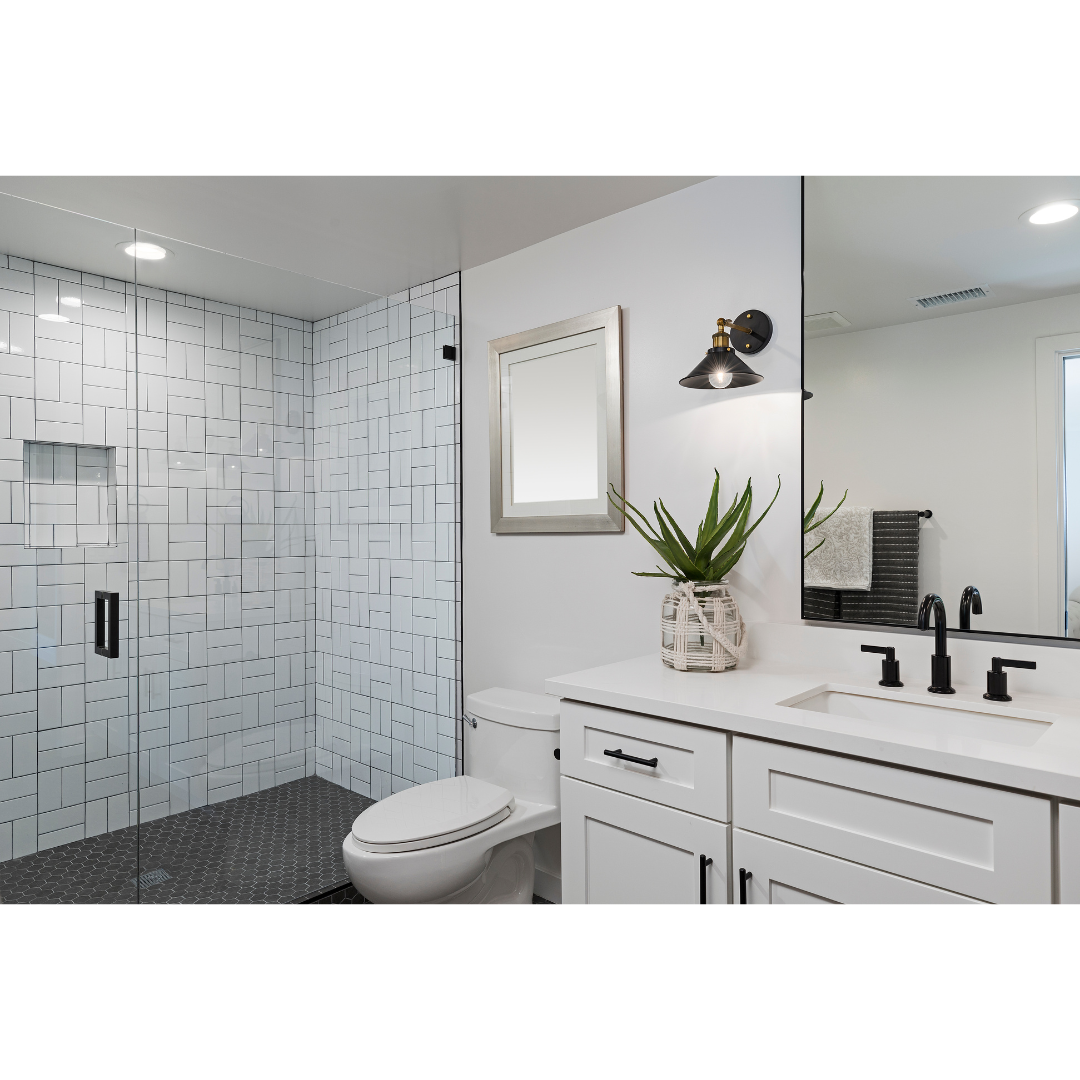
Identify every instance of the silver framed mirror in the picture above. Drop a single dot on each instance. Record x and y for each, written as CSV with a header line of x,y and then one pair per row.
x,y
555,426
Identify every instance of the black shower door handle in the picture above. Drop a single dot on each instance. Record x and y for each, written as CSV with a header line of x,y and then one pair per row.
x,y
107,624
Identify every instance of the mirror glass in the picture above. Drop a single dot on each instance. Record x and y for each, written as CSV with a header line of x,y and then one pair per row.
x,y
553,393
942,350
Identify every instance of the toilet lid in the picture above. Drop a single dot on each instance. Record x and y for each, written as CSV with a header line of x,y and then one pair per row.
x,y
432,814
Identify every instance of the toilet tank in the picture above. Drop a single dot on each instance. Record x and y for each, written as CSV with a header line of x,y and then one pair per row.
x,y
514,742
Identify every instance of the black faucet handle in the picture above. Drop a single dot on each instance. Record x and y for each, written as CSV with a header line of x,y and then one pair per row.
x,y
888,650
997,681
890,666
997,663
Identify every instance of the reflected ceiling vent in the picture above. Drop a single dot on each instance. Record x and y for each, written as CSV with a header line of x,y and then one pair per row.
x,y
826,320
976,292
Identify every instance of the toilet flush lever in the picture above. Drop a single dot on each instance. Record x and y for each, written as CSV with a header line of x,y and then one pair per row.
x,y
468,719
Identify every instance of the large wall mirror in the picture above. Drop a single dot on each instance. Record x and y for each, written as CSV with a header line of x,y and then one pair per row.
x,y
942,350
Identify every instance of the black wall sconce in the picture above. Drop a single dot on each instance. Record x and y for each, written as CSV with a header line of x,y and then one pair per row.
x,y
723,367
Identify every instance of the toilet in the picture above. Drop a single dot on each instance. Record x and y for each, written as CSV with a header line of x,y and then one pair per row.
x,y
467,839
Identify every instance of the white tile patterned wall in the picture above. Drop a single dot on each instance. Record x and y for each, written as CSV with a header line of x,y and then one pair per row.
x,y
297,552
66,758
387,611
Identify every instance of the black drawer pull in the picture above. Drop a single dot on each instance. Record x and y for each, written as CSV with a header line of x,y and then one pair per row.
x,y
744,877
107,644
651,762
705,863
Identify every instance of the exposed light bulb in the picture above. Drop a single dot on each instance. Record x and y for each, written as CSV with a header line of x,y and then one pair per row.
x,y
49,317
1052,213
139,249
720,379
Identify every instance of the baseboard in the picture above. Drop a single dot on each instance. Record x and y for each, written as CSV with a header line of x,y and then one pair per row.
x,y
548,887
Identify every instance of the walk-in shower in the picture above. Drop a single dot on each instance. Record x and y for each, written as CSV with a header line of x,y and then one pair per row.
x,y
229,563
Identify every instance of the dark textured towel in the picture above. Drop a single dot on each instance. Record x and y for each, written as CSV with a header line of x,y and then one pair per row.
x,y
894,588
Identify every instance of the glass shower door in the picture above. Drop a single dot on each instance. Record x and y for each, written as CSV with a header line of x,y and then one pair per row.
x,y
68,801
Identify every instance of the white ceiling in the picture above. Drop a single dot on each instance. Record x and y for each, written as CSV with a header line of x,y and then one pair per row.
x,y
871,243
374,235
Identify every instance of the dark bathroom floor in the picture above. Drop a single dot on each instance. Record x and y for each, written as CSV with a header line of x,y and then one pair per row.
x,y
279,846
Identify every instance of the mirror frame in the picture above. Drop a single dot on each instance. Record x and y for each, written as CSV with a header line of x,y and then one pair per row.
x,y
610,321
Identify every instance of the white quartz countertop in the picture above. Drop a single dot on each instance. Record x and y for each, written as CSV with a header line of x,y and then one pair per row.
x,y
1043,757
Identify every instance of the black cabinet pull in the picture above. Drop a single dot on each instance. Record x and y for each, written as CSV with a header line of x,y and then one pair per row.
x,y
107,639
705,863
744,877
651,762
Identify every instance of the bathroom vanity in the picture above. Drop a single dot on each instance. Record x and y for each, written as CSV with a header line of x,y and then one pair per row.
x,y
771,784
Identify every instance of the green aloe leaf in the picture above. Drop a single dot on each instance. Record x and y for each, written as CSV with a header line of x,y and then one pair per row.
x,y
767,508
724,526
691,552
818,524
676,557
720,568
626,503
709,524
809,515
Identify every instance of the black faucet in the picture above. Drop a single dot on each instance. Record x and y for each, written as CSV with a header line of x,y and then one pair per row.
x,y
940,662
890,666
970,601
997,685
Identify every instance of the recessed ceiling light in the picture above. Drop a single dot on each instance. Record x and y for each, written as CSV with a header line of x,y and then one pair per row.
x,y
70,301
49,317
1052,213
140,249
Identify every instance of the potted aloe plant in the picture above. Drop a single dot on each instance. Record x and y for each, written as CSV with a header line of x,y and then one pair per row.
x,y
701,627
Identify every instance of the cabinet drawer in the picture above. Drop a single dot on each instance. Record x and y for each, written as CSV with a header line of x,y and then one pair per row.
x,y
979,841
691,771
617,849
784,874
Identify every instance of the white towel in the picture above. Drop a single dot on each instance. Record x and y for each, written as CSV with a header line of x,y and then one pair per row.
x,y
845,559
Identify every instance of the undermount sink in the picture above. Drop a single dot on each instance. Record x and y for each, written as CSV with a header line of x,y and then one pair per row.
x,y
960,719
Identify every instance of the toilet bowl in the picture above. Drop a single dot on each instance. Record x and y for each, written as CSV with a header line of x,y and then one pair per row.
x,y
467,839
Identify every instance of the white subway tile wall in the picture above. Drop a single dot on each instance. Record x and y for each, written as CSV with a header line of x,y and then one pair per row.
x,y
296,564
387,607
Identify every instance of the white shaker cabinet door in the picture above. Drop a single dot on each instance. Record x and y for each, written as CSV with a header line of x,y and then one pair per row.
x,y
1069,852
767,871
618,849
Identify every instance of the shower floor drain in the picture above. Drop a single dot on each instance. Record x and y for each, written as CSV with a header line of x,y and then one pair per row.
x,y
151,877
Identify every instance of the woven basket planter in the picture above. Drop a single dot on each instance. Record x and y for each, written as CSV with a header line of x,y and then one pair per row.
x,y
701,628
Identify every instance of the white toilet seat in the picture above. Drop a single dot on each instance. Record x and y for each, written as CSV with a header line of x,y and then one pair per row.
x,y
431,815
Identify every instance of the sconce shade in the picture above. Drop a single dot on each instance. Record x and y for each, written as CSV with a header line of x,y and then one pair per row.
x,y
720,364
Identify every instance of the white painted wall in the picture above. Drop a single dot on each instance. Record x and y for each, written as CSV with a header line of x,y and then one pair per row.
x,y
537,606
940,415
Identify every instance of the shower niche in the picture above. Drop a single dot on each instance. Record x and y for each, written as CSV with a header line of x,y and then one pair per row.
x,y
69,495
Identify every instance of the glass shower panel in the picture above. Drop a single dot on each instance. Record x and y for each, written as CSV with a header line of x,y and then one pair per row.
x,y
1071,445
233,805
68,799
